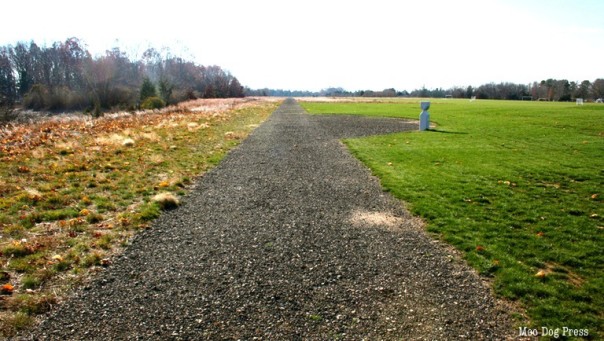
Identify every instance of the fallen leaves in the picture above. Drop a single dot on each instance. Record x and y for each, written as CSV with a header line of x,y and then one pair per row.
x,y
23,169
76,188
541,274
33,194
507,183
7,289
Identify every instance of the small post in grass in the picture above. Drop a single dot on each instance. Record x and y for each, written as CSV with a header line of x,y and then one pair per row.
x,y
424,116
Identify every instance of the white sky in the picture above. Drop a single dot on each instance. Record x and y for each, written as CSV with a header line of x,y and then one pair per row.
x,y
357,45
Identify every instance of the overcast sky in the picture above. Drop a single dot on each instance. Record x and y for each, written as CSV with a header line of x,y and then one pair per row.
x,y
310,44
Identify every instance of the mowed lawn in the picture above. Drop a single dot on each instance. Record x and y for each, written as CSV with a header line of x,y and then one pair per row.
x,y
516,186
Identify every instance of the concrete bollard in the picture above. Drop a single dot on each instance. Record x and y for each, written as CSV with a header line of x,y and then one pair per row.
x,y
424,116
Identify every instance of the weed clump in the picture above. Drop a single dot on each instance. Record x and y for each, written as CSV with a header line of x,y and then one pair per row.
x,y
18,321
128,142
166,201
153,103
18,249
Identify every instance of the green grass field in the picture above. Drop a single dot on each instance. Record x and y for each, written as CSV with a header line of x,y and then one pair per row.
x,y
516,186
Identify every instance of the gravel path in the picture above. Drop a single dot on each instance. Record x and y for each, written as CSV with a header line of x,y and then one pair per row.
x,y
289,238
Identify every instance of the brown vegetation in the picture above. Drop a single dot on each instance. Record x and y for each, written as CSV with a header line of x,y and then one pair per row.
x,y
74,189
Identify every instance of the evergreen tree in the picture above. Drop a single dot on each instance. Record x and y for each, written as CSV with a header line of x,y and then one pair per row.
x,y
147,89
165,90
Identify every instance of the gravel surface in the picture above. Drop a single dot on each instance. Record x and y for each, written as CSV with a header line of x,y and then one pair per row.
x,y
289,238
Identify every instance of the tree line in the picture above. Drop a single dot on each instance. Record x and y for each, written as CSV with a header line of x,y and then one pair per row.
x,y
548,90
66,77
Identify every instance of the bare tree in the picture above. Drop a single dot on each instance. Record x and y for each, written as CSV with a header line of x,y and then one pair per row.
x,y
65,76
597,88
23,67
8,91
583,89
235,89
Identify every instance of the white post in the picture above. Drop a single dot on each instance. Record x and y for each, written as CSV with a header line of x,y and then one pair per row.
x,y
579,101
424,116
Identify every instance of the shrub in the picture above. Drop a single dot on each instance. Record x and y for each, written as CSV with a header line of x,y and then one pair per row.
x,y
42,97
7,113
36,97
181,95
153,103
115,97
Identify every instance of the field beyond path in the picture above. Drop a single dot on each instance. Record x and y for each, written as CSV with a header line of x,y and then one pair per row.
x,y
290,237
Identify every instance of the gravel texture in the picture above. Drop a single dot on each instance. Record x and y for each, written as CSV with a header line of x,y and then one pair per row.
x,y
289,238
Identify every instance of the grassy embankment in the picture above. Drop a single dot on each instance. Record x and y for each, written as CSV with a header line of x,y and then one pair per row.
x,y
73,192
516,186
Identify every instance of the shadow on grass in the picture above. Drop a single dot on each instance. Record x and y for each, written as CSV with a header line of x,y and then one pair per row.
x,y
447,132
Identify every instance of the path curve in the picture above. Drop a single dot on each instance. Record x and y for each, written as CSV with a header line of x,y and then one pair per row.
x,y
289,238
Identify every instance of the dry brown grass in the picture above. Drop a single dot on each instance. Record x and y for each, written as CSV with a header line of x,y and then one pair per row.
x,y
166,200
73,189
383,220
